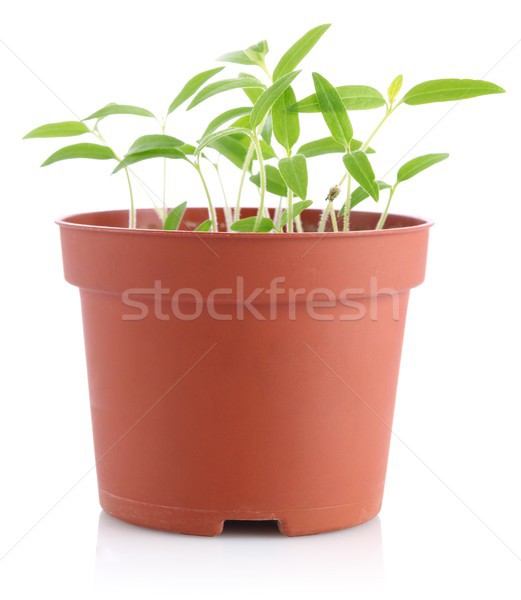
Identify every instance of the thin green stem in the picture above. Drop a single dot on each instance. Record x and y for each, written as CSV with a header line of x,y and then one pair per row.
x,y
265,69
227,212
149,195
245,167
163,129
289,224
323,218
211,209
389,111
298,223
132,213
163,204
333,217
248,159
347,205
330,210
383,217
278,212
262,171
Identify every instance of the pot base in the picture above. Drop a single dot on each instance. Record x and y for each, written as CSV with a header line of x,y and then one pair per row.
x,y
211,522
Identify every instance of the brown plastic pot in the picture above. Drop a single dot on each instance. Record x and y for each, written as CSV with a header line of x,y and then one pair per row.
x,y
211,408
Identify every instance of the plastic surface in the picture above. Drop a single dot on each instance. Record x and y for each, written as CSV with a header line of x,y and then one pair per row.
x,y
256,410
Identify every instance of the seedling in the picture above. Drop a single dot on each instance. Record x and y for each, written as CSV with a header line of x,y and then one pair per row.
x,y
260,139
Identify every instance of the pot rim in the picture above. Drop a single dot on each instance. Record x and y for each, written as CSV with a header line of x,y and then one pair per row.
x,y
69,222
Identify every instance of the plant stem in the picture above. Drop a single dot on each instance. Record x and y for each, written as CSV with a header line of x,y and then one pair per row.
x,y
333,217
347,205
389,111
163,128
211,209
265,69
323,218
278,212
132,212
227,212
383,217
298,223
330,209
245,167
289,224
149,195
262,171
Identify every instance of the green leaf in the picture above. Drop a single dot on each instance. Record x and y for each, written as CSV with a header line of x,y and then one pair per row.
x,y
204,226
154,142
248,225
254,55
298,51
209,139
394,89
445,90
417,165
94,151
275,184
269,97
267,130
267,150
359,167
253,94
295,173
286,126
192,86
218,87
354,97
235,144
187,149
131,159
152,146
242,122
257,52
359,195
63,129
224,117
174,217
238,57
298,207
328,145
232,148
119,109
333,110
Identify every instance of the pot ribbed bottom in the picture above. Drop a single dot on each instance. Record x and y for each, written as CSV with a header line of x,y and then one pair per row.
x,y
210,522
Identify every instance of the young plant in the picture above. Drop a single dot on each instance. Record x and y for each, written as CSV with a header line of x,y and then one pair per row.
x,y
259,137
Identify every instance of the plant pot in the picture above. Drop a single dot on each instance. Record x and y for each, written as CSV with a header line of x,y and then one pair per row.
x,y
208,407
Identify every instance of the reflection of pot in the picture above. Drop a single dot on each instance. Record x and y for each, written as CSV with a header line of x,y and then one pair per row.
x,y
128,556
203,419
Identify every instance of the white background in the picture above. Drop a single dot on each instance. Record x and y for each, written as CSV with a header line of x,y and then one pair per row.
x,y
458,412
